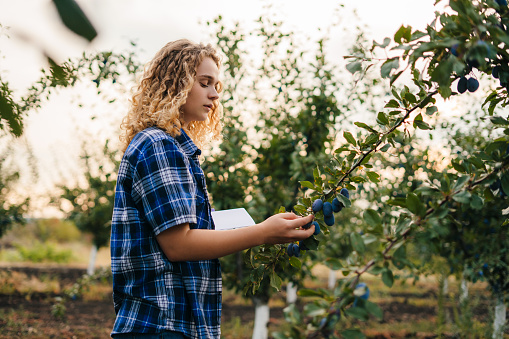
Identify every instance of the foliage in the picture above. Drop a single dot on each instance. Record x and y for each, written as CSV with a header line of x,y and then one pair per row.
x,y
56,230
44,253
92,205
75,291
11,212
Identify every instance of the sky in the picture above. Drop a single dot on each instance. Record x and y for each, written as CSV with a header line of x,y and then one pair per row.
x,y
33,26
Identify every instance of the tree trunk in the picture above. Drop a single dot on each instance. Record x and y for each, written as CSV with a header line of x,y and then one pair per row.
x,y
332,279
261,321
463,290
92,260
445,285
500,317
291,293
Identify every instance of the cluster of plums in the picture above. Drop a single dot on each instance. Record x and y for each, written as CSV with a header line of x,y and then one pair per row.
x,y
470,84
328,209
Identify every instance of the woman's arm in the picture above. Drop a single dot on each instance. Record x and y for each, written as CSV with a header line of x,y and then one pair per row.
x,y
180,243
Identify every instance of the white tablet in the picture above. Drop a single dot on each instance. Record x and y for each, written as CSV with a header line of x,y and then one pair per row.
x,y
232,218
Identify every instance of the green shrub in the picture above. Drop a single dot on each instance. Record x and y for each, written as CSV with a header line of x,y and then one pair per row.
x,y
56,230
44,252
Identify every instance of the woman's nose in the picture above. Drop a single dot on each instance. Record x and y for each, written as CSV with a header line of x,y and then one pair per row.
x,y
213,94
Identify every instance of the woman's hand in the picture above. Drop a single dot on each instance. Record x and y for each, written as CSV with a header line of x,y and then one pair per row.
x,y
283,228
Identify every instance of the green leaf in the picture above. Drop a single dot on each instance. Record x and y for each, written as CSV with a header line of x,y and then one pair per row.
x,y
373,177
476,202
410,98
421,124
382,119
358,313
505,182
392,104
403,33
372,217
374,309
461,182
344,200
385,147
307,292
354,67
376,270
387,278
275,281
357,242
363,125
462,197
499,121
414,204
307,184
349,137
431,110
388,66
311,243
300,209
333,263
73,17
295,262
442,73
457,166
9,111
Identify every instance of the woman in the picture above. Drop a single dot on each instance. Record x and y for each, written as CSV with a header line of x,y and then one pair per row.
x,y
164,249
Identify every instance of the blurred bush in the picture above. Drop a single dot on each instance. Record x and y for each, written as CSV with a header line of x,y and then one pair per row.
x,y
57,230
44,253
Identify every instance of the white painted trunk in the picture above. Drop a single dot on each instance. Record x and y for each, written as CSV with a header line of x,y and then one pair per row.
x,y
500,317
262,313
332,279
291,293
445,285
463,290
92,259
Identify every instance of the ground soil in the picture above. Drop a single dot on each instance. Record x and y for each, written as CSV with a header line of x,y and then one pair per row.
x,y
94,318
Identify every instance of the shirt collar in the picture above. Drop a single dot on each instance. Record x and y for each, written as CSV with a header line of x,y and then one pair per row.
x,y
187,144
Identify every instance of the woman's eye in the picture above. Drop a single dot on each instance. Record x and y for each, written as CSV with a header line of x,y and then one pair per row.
x,y
203,85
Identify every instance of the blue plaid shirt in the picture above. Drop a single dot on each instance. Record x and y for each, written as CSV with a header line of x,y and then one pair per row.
x,y
160,184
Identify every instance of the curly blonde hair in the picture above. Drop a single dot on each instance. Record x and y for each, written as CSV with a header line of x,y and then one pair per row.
x,y
163,89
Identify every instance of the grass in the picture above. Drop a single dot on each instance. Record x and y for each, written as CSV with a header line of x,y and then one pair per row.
x,y
234,328
11,282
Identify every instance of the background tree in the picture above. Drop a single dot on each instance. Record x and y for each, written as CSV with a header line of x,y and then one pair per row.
x,y
12,210
467,40
92,204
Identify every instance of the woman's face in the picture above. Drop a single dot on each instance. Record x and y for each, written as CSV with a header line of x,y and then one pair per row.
x,y
200,99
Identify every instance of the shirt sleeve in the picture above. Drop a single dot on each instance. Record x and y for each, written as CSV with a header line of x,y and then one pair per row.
x,y
164,186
